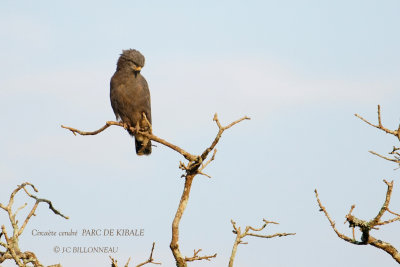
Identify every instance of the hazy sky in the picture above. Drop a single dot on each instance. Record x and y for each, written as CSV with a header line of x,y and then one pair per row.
x,y
299,69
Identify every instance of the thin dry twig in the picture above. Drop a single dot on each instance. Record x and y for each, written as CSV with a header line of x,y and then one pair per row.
x,y
240,236
150,259
11,242
114,262
196,256
134,130
396,158
380,126
203,166
366,226
395,133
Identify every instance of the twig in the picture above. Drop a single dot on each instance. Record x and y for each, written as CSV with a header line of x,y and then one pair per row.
x,y
196,257
396,160
219,134
150,260
240,235
380,126
12,245
367,226
114,262
333,224
187,155
396,133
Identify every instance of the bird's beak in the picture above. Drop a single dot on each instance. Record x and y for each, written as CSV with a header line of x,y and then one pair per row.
x,y
138,68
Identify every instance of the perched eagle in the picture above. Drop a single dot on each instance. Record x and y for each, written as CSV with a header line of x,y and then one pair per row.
x,y
130,97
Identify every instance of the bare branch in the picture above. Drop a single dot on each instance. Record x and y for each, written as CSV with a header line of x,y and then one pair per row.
x,y
192,168
240,235
270,236
385,205
114,262
396,160
20,208
394,151
221,130
269,222
367,226
196,257
150,260
51,207
333,224
11,245
396,133
394,213
38,200
135,131
76,131
380,126
208,162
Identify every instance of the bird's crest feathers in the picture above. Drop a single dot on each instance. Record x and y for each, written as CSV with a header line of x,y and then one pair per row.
x,y
131,55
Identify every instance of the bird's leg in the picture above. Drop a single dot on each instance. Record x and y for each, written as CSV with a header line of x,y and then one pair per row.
x,y
140,137
137,128
148,123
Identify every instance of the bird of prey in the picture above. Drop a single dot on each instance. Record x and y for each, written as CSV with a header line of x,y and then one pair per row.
x,y
130,97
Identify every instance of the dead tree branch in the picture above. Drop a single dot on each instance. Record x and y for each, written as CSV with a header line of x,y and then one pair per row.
x,y
196,256
114,262
396,133
150,260
366,226
380,125
195,165
134,130
396,158
240,236
191,170
11,244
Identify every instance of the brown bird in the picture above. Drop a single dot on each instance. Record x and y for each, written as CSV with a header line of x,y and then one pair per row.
x,y
130,97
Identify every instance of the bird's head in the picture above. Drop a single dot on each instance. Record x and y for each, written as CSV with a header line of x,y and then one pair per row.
x,y
131,59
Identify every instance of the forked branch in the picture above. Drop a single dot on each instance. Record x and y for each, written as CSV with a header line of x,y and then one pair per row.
x,y
196,256
195,165
366,226
191,170
11,245
380,125
250,231
114,262
134,130
396,133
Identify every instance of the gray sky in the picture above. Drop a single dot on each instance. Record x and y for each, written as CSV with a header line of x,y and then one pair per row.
x,y
299,69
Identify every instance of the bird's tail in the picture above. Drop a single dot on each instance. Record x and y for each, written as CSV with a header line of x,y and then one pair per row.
x,y
142,148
